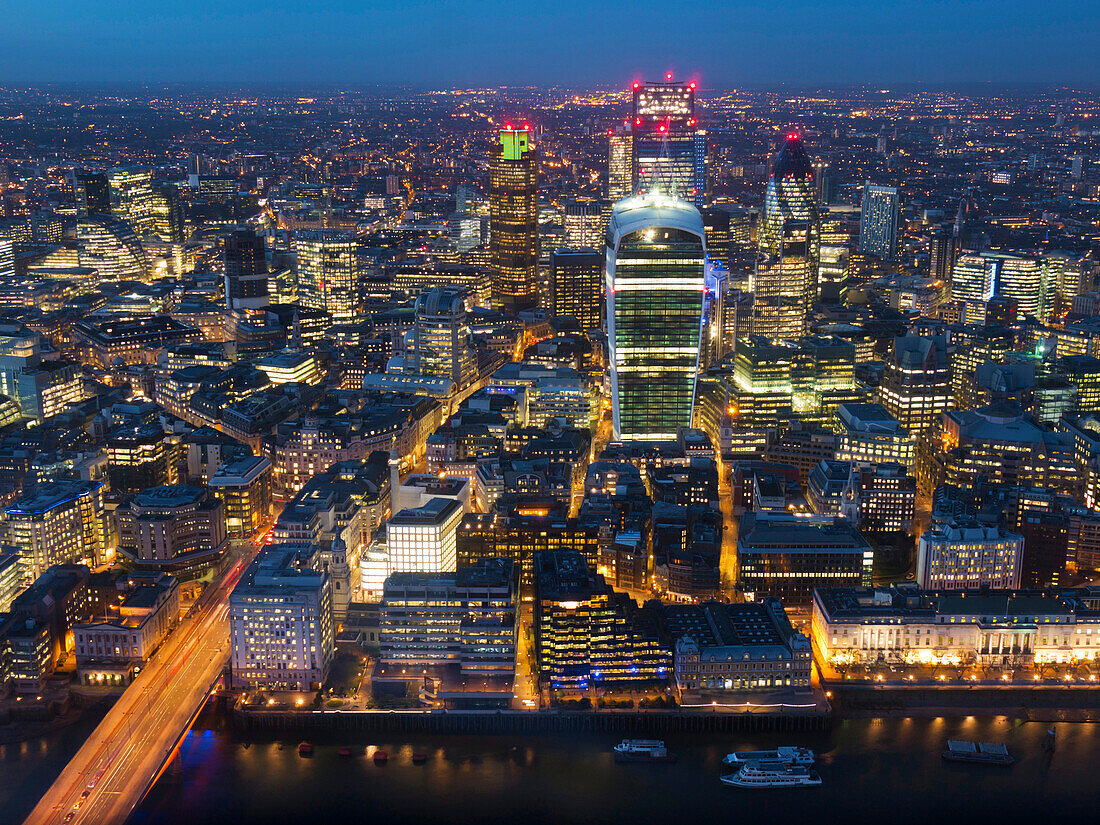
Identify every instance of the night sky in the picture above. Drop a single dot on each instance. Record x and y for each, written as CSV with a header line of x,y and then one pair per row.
x,y
569,42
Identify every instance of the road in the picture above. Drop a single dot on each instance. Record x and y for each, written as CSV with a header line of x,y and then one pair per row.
x,y
110,774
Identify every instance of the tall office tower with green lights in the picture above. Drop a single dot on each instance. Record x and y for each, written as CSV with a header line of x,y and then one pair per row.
x,y
514,221
785,281
328,272
656,283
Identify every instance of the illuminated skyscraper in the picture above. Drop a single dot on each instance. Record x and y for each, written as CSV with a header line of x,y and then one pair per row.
x,y
656,254
514,221
1025,278
576,285
878,221
439,342
670,150
109,245
245,270
167,214
941,256
132,197
785,282
328,272
583,223
92,193
620,163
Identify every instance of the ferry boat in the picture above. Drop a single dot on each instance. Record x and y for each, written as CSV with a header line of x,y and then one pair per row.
x,y
642,750
787,755
755,775
988,753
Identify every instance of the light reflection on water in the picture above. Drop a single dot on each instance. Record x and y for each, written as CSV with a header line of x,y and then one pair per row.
x,y
870,768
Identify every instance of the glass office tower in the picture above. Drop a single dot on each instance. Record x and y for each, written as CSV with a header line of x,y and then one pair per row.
x,y
514,221
785,282
656,254
328,272
670,150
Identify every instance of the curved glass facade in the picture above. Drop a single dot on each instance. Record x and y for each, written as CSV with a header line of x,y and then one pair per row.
x,y
655,279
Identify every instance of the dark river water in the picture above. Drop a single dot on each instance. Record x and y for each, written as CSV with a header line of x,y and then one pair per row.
x,y
873,770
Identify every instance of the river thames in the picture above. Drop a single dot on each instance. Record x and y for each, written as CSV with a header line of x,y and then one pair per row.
x,y
872,770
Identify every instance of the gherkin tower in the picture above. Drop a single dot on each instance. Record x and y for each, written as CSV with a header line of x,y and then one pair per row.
x,y
785,282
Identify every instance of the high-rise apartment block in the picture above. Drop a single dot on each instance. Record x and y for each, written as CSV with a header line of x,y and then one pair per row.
x,y
878,222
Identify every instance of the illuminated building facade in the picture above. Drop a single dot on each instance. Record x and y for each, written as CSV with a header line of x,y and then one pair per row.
x,y
916,382
109,245
514,220
244,487
870,435
92,193
785,282
439,342
750,646
787,556
466,617
281,626
670,151
620,163
167,214
584,223
656,282
176,529
878,221
245,270
1027,279
132,197
905,625
423,538
328,272
585,632
577,285
57,522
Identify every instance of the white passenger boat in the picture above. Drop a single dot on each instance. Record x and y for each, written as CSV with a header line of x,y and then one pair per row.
x,y
787,755
755,775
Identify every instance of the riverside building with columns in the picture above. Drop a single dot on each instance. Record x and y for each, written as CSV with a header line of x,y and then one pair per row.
x,y
906,625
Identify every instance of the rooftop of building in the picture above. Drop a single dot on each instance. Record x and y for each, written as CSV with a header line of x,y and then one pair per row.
x,y
46,496
435,511
764,532
169,496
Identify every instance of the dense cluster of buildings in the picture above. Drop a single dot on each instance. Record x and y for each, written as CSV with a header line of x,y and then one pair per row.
x,y
623,388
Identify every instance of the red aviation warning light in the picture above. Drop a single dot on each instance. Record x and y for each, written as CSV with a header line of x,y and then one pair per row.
x,y
636,84
691,85
792,135
668,76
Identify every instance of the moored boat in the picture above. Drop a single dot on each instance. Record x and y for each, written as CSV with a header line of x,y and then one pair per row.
x,y
381,757
643,750
756,775
987,753
787,755
305,749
